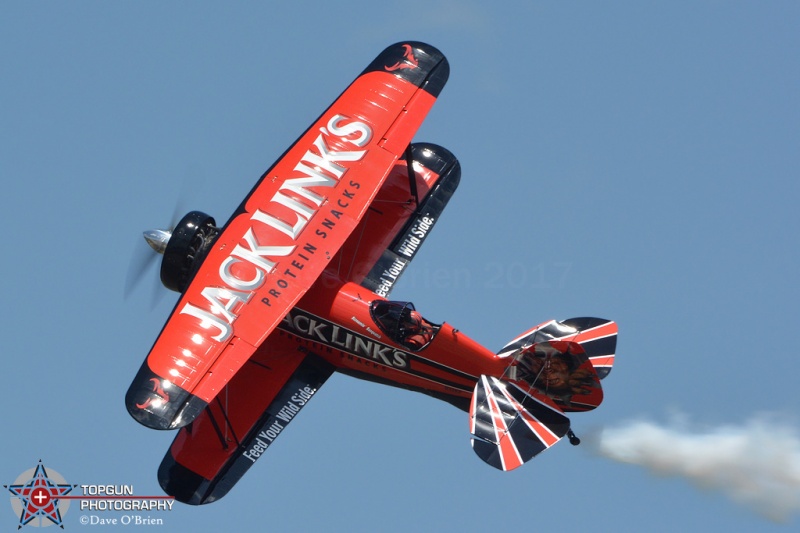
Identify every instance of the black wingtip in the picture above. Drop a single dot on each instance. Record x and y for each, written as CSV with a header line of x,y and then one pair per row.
x,y
183,484
416,62
157,403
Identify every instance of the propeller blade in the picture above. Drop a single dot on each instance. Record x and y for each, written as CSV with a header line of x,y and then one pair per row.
x,y
143,258
142,261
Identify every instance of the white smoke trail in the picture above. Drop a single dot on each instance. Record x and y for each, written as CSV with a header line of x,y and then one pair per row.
x,y
757,464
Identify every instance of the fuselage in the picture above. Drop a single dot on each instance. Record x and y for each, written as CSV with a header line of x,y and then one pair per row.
x,y
334,320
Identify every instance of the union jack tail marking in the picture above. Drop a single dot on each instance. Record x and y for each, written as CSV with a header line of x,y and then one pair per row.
x,y
510,426
597,337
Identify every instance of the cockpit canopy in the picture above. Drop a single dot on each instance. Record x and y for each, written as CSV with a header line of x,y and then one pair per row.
x,y
401,322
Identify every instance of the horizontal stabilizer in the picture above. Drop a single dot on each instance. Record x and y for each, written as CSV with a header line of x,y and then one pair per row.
x,y
597,337
510,426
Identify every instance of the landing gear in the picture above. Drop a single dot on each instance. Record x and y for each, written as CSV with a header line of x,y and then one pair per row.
x,y
573,439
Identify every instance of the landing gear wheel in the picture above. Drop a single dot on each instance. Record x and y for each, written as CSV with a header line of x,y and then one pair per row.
x,y
573,439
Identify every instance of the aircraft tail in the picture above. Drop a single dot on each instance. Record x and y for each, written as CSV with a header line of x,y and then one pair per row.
x,y
596,336
553,367
510,426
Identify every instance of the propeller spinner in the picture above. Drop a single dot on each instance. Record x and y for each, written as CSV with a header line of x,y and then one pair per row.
x,y
157,239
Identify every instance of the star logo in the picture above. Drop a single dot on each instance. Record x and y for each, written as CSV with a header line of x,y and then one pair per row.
x,y
37,493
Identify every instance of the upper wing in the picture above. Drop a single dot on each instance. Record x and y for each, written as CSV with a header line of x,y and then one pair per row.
x,y
211,454
284,234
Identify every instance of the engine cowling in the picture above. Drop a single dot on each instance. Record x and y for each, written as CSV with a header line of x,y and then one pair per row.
x,y
187,246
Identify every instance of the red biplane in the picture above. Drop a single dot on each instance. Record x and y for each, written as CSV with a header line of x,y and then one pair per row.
x,y
295,286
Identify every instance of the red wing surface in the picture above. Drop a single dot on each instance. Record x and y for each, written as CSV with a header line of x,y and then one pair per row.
x,y
285,234
399,220
510,426
211,454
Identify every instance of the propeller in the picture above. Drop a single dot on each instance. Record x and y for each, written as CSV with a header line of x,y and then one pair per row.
x,y
143,257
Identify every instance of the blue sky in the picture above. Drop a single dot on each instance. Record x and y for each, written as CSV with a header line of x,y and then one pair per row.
x,y
634,161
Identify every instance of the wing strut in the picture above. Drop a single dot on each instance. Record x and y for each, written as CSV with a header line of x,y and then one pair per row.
x,y
412,176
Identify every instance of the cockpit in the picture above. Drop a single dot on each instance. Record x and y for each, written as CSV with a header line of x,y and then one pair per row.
x,y
401,322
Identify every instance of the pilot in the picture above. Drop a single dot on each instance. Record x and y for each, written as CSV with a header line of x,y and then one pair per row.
x,y
416,331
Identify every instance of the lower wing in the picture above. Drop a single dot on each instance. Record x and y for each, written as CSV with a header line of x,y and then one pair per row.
x,y
400,218
211,454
